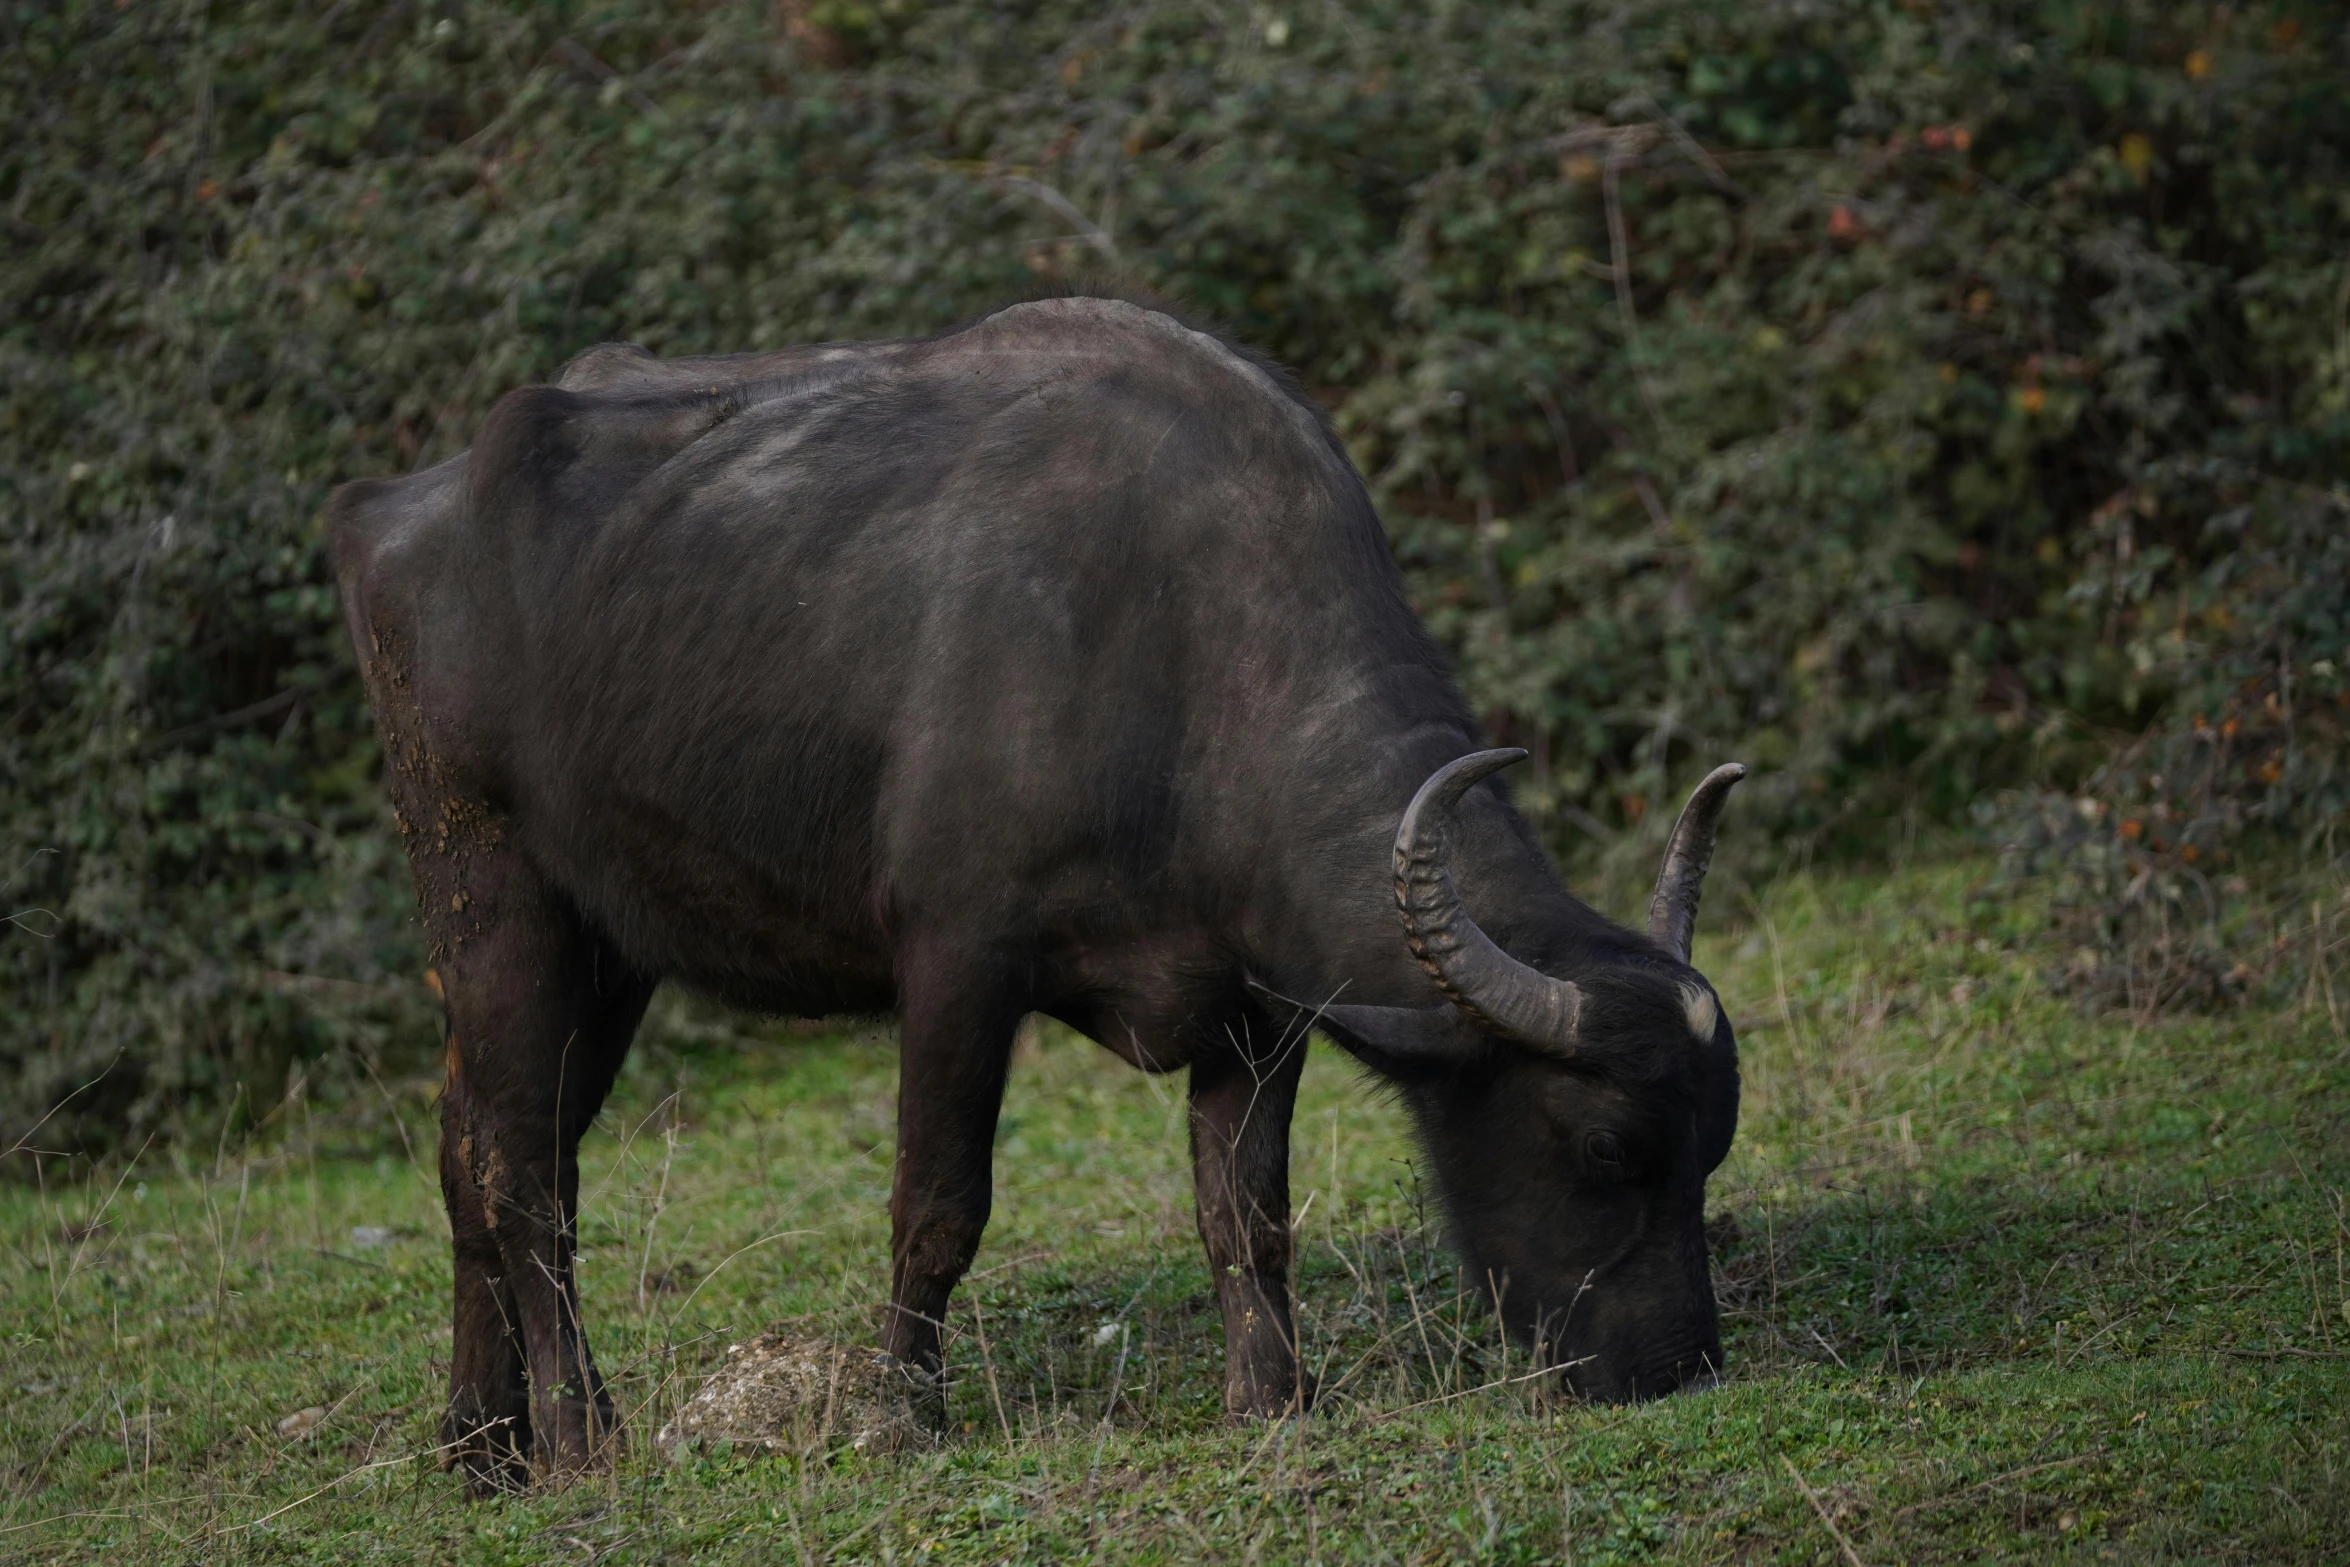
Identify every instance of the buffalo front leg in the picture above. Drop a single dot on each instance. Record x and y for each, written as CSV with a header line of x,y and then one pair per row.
x,y
1240,1108
955,1050
541,1013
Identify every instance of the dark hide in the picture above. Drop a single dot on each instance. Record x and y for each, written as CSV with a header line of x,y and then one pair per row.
x,y
1057,665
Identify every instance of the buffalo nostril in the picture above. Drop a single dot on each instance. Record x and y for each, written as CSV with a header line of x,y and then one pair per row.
x,y
1603,1379
1586,1379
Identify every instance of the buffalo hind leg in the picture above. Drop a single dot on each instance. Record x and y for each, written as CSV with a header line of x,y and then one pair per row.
x,y
485,1432
541,1014
957,1025
1241,1101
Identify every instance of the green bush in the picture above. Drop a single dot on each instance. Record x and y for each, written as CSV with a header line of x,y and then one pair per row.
x,y
2145,865
1863,389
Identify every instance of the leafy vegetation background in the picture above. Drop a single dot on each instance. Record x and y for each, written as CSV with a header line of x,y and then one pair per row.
x,y
1941,406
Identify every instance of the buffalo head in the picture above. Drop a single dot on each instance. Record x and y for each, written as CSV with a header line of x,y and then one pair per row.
x,y
1572,1121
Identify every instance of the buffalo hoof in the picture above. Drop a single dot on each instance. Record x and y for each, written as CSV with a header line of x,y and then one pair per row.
x,y
1287,1399
586,1439
925,1394
492,1455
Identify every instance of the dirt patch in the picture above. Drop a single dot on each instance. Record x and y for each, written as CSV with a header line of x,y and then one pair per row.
x,y
777,1393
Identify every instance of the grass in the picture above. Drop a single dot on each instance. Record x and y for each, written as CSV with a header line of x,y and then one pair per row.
x,y
2001,1281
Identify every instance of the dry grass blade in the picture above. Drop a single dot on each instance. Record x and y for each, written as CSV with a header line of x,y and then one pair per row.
x,y
349,1474
1821,1508
1996,1481
1471,1392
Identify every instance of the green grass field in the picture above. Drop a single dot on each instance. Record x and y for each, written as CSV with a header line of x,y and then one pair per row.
x,y
2001,1282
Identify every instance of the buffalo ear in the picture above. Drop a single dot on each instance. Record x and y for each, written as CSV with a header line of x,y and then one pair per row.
x,y
1403,1042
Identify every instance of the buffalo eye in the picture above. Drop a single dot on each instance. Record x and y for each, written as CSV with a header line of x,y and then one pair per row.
x,y
1605,1150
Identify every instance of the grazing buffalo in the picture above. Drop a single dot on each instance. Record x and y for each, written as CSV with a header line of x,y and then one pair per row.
x,y
1055,665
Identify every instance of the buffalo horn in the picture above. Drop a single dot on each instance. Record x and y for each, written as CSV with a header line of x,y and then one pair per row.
x,y
1672,912
1512,999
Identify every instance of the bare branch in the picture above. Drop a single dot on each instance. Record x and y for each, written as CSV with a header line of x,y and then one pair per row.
x,y
1620,255
1087,229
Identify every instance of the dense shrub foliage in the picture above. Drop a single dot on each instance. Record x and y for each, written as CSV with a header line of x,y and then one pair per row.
x,y
1912,399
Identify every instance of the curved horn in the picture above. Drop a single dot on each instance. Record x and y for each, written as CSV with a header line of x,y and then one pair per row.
x,y
1511,998
1672,911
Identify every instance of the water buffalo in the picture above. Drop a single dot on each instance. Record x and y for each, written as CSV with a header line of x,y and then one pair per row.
x,y
1054,665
